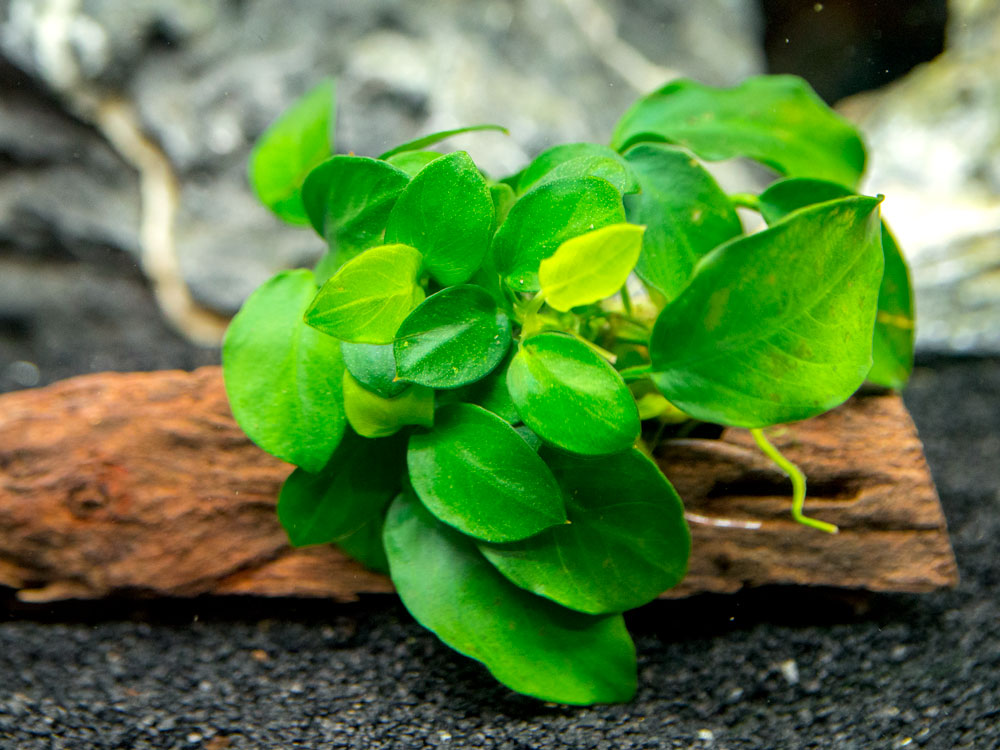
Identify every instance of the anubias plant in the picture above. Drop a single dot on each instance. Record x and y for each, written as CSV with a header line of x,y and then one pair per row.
x,y
473,378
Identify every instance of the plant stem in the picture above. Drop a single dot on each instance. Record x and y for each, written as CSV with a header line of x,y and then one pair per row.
x,y
745,200
612,358
630,374
626,300
798,483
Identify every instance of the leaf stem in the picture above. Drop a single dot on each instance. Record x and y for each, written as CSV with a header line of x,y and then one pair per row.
x,y
626,300
638,372
612,358
798,483
745,200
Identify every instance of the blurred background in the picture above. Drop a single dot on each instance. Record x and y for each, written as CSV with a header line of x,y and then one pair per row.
x,y
129,235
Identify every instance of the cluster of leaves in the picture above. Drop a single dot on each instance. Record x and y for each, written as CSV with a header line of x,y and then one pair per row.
x,y
464,379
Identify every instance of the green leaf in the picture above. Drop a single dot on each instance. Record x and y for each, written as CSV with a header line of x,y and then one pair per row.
x,y
446,212
503,198
283,379
288,150
475,473
491,393
429,140
546,217
412,162
348,200
571,397
452,338
345,503
588,268
374,366
369,296
372,416
579,160
685,212
528,643
777,326
776,120
626,542
893,343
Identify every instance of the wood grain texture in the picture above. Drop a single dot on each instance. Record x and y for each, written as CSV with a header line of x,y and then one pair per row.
x,y
141,484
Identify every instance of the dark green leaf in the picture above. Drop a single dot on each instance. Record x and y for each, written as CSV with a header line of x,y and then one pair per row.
x,y
685,212
288,150
429,140
625,544
777,326
345,503
372,416
412,162
491,393
446,212
528,643
369,296
571,397
452,338
283,378
374,366
776,120
475,473
546,217
579,160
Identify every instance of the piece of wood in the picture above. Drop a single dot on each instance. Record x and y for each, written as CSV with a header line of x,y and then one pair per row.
x,y
141,484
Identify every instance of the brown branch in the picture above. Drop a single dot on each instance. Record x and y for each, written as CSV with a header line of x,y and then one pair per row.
x,y
140,484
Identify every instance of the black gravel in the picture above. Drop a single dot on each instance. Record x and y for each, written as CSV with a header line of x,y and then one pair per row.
x,y
774,668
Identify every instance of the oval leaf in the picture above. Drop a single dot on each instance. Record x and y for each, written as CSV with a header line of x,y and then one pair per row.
x,y
372,416
579,160
369,296
777,326
686,214
283,379
588,268
626,542
571,397
374,366
528,643
446,212
546,217
429,140
776,120
289,149
412,162
452,338
475,473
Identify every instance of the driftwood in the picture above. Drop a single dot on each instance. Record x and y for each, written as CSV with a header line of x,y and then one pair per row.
x,y
140,484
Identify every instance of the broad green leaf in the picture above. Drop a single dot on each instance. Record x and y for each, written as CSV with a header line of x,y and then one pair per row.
x,y
685,212
345,503
588,268
283,379
372,416
412,162
452,338
528,643
348,200
892,351
288,150
571,397
626,542
475,473
579,160
367,299
374,366
429,140
446,212
546,217
776,120
777,326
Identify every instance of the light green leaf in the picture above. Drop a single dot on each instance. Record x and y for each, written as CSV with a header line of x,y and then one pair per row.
x,y
503,198
283,379
579,160
374,366
588,268
412,162
446,212
369,296
429,140
626,542
372,416
546,217
571,397
475,473
685,212
528,643
288,150
777,326
452,338
776,120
